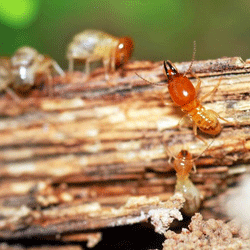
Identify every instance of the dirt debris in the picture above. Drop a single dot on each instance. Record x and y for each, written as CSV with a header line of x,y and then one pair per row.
x,y
210,234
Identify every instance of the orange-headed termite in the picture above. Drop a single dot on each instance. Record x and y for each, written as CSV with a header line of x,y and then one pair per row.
x,y
184,94
183,164
94,45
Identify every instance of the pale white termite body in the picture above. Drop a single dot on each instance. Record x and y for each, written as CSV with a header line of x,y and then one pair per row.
x,y
183,165
27,63
95,45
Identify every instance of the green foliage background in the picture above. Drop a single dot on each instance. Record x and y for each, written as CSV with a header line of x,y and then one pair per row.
x,y
161,29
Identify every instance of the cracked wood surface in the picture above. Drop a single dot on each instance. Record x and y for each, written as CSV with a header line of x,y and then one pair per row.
x,y
98,141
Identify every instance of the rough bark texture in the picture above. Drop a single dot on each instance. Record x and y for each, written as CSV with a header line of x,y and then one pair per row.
x,y
94,144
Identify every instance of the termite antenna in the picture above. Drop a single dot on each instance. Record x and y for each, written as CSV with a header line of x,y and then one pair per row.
x,y
194,159
144,78
191,64
170,153
147,80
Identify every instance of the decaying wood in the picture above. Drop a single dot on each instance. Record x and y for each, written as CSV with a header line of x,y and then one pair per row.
x,y
24,222
98,142
5,246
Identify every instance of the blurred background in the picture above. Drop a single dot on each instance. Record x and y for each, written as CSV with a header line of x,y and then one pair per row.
x,y
161,29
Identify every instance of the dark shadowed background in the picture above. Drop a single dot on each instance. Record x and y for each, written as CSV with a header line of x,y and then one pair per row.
x,y
161,29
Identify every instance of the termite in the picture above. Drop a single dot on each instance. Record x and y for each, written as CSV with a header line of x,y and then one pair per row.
x,y
27,65
183,164
184,94
94,45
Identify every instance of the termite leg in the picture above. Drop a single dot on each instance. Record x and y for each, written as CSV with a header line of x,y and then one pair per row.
x,y
218,116
87,67
50,84
196,134
197,88
180,121
57,68
194,167
106,63
211,92
195,129
170,154
225,120
113,62
13,95
71,65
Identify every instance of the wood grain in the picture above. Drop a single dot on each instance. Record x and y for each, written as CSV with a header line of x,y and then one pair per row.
x,y
98,142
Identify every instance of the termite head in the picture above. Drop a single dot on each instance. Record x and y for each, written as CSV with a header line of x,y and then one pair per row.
x,y
24,56
124,51
172,72
183,164
180,87
24,62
